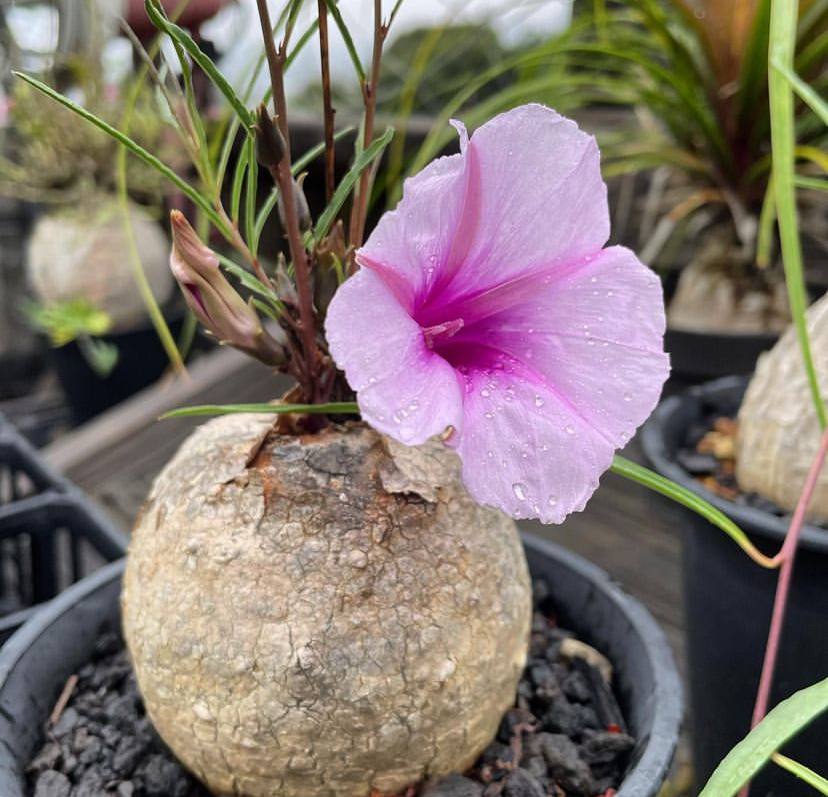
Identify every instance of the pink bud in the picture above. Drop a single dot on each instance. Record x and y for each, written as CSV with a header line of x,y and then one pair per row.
x,y
213,299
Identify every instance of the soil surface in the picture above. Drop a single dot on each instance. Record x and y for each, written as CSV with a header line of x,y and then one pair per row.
x,y
565,736
708,454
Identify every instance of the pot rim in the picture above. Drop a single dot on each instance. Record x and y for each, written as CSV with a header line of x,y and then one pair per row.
x,y
667,693
657,451
738,335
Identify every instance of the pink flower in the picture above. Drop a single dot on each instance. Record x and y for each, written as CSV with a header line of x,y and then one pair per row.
x,y
486,303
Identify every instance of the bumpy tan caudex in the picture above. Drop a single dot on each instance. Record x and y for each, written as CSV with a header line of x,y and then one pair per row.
x,y
778,429
83,253
322,616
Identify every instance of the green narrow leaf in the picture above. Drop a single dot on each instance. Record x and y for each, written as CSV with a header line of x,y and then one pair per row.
x,y
782,42
226,151
314,152
203,161
251,192
264,309
250,281
238,183
767,220
802,772
806,93
753,752
347,183
333,408
179,35
262,217
654,481
135,148
346,37
813,183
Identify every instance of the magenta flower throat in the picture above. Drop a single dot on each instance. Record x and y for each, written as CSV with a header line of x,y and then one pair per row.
x,y
486,305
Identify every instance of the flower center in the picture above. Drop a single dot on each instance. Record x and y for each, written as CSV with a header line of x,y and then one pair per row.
x,y
442,331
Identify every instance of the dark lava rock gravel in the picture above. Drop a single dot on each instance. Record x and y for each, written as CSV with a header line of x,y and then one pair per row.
x,y
708,454
565,736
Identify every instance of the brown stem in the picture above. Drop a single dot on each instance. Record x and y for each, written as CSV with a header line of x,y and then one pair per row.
x,y
284,179
324,56
783,585
359,212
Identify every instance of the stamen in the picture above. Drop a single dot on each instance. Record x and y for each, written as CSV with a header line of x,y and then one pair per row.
x,y
446,330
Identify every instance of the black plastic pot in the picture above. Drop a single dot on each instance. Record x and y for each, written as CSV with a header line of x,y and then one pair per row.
x,y
36,662
50,534
141,361
728,601
701,356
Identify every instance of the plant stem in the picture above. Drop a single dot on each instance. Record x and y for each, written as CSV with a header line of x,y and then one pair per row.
x,y
783,586
325,61
369,98
282,175
788,554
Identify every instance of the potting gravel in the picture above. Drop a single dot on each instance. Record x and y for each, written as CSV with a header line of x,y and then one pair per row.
x,y
708,454
565,737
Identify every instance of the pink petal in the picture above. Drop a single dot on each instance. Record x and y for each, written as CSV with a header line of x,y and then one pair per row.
x,y
525,451
535,199
404,389
595,336
410,244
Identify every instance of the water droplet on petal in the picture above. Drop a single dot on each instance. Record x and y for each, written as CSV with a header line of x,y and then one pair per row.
x,y
485,393
569,429
552,501
593,279
489,454
627,397
519,490
488,415
372,380
538,401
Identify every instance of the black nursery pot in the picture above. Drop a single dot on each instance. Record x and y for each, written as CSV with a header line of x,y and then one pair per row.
x,y
36,662
701,356
141,361
728,601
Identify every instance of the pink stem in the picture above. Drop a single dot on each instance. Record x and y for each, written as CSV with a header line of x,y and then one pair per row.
x,y
780,601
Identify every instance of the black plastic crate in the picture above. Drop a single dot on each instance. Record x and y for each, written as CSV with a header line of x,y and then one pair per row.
x,y
51,535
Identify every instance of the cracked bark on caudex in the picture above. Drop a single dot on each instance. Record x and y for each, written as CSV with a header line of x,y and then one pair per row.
x,y
322,614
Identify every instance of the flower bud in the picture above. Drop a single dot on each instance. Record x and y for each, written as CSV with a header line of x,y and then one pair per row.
x,y
270,146
213,299
302,209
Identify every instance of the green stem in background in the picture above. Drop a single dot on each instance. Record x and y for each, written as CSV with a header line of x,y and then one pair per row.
x,y
333,408
139,275
802,772
653,481
784,15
